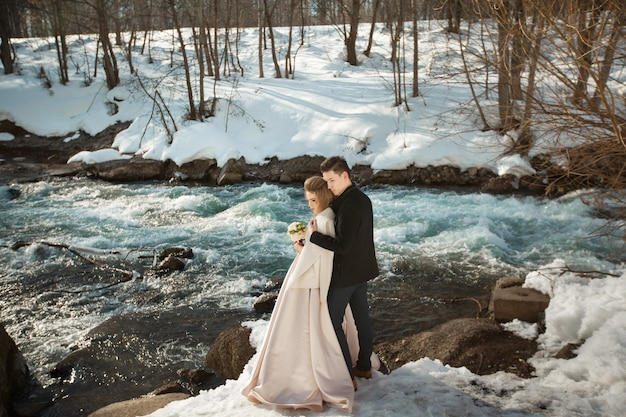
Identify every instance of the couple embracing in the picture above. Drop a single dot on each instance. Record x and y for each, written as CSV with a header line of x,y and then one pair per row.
x,y
319,337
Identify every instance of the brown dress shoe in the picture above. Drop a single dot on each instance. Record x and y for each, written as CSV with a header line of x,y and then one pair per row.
x,y
362,374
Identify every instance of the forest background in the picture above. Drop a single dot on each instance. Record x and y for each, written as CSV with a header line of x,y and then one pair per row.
x,y
551,69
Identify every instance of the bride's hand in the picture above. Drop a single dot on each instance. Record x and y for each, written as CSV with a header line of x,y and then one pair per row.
x,y
313,226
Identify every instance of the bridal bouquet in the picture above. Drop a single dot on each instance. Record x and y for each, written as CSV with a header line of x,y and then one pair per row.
x,y
297,231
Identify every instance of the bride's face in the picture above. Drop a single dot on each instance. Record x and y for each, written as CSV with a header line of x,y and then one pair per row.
x,y
311,198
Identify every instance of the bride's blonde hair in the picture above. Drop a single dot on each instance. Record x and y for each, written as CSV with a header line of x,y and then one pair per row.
x,y
317,185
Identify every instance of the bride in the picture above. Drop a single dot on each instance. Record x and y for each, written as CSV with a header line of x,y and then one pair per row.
x,y
300,364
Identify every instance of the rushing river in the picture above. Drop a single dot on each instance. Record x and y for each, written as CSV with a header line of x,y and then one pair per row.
x,y
435,248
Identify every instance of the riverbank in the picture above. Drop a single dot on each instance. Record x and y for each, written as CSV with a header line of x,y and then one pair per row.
x,y
28,158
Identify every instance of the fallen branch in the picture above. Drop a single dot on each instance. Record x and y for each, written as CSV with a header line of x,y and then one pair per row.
x,y
73,250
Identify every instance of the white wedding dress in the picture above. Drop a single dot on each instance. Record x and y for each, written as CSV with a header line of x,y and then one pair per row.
x,y
300,364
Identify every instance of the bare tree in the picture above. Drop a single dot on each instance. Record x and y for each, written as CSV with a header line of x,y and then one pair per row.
x,y
584,35
9,23
396,31
56,12
414,14
370,38
109,60
453,15
192,107
261,25
268,20
502,14
353,12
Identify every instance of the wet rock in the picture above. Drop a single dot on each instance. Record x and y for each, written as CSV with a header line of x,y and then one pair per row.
x,y
197,376
503,184
186,253
265,302
14,372
481,345
198,169
122,170
232,172
11,193
387,176
171,263
230,352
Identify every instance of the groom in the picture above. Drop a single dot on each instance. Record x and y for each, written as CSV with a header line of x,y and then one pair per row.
x,y
354,262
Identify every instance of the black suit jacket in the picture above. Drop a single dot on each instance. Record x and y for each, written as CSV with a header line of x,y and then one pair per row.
x,y
353,245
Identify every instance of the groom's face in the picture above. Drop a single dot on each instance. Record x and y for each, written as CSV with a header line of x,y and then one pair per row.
x,y
337,183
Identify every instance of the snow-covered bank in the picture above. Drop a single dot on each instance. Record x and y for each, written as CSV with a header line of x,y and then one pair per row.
x,y
591,312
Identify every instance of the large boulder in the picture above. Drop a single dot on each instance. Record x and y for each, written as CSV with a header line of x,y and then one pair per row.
x,y
230,352
232,172
123,170
480,345
14,372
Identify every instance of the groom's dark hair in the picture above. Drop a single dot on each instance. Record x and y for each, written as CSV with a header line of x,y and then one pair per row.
x,y
337,164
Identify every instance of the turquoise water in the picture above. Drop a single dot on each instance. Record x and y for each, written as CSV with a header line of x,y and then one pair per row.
x,y
432,245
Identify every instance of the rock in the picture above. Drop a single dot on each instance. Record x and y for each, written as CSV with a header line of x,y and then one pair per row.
x,y
139,406
298,169
274,283
186,253
507,183
265,302
197,376
480,345
232,172
568,351
135,169
171,263
198,169
526,304
387,176
230,352
14,372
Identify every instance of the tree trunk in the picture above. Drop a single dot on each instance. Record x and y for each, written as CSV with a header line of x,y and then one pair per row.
x,y
197,36
505,108
370,38
355,10
610,48
415,92
109,62
5,53
288,63
587,20
268,20
192,106
517,52
525,139
8,14
260,49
